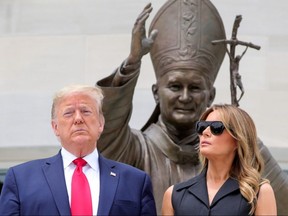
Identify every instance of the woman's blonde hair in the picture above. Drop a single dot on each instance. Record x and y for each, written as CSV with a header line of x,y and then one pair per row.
x,y
248,164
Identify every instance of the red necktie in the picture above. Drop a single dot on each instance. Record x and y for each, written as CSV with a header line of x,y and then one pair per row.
x,y
81,202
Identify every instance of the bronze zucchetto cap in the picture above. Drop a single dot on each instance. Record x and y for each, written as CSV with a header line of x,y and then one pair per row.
x,y
186,29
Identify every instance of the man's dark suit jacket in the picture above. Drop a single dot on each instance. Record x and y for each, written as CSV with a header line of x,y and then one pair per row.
x,y
38,188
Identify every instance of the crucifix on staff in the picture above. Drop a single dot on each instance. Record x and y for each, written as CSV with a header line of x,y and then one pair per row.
x,y
235,77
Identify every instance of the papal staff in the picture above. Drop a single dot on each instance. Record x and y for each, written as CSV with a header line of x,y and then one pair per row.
x,y
235,77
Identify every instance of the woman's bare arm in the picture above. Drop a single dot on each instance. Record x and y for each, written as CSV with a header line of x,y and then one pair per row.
x,y
266,204
167,208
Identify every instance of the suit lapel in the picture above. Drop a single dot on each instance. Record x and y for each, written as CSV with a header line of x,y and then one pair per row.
x,y
109,178
54,173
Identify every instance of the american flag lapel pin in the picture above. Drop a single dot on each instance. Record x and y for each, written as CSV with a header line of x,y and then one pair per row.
x,y
113,174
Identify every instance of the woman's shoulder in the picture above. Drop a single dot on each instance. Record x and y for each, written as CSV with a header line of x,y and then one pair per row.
x,y
265,189
266,202
188,183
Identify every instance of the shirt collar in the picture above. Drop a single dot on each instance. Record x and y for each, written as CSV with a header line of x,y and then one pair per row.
x,y
91,159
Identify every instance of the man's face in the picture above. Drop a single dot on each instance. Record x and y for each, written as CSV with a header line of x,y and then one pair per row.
x,y
78,124
183,96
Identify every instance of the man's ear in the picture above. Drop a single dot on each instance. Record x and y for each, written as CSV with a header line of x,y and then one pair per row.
x,y
55,127
155,93
101,123
212,95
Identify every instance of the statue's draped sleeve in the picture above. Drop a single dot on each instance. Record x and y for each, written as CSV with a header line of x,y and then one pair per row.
x,y
117,141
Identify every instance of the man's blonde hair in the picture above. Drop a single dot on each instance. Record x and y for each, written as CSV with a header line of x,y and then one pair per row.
x,y
92,91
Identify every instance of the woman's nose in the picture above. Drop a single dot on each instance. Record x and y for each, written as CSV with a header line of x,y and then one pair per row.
x,y
207,132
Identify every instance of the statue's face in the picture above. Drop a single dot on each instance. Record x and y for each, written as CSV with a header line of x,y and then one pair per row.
x,y
183,96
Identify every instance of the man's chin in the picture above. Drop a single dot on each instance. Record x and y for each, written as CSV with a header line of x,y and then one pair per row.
x,y
81,140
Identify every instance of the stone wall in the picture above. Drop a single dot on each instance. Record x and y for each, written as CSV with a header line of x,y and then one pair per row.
x,y
47,44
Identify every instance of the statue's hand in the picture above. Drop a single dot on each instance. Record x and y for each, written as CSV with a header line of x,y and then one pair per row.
x,y
140,44
148,42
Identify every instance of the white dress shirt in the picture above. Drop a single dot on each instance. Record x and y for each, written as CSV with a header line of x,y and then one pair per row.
x,y
91,170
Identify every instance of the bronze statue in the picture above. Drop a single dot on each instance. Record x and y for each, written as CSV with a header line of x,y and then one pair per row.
x,y
186,64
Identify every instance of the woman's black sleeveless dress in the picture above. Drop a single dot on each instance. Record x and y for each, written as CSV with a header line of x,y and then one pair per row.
x,y
191,198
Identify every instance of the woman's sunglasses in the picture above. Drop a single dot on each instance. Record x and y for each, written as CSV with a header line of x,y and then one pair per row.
x,y
216,127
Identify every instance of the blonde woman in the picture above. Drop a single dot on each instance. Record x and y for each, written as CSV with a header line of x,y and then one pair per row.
x,y
230,182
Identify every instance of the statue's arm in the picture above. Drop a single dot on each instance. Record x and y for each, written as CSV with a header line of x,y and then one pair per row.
x,y
140,46
118,141
278,179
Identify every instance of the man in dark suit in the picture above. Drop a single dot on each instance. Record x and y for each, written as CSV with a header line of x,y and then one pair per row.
x,y
43,187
